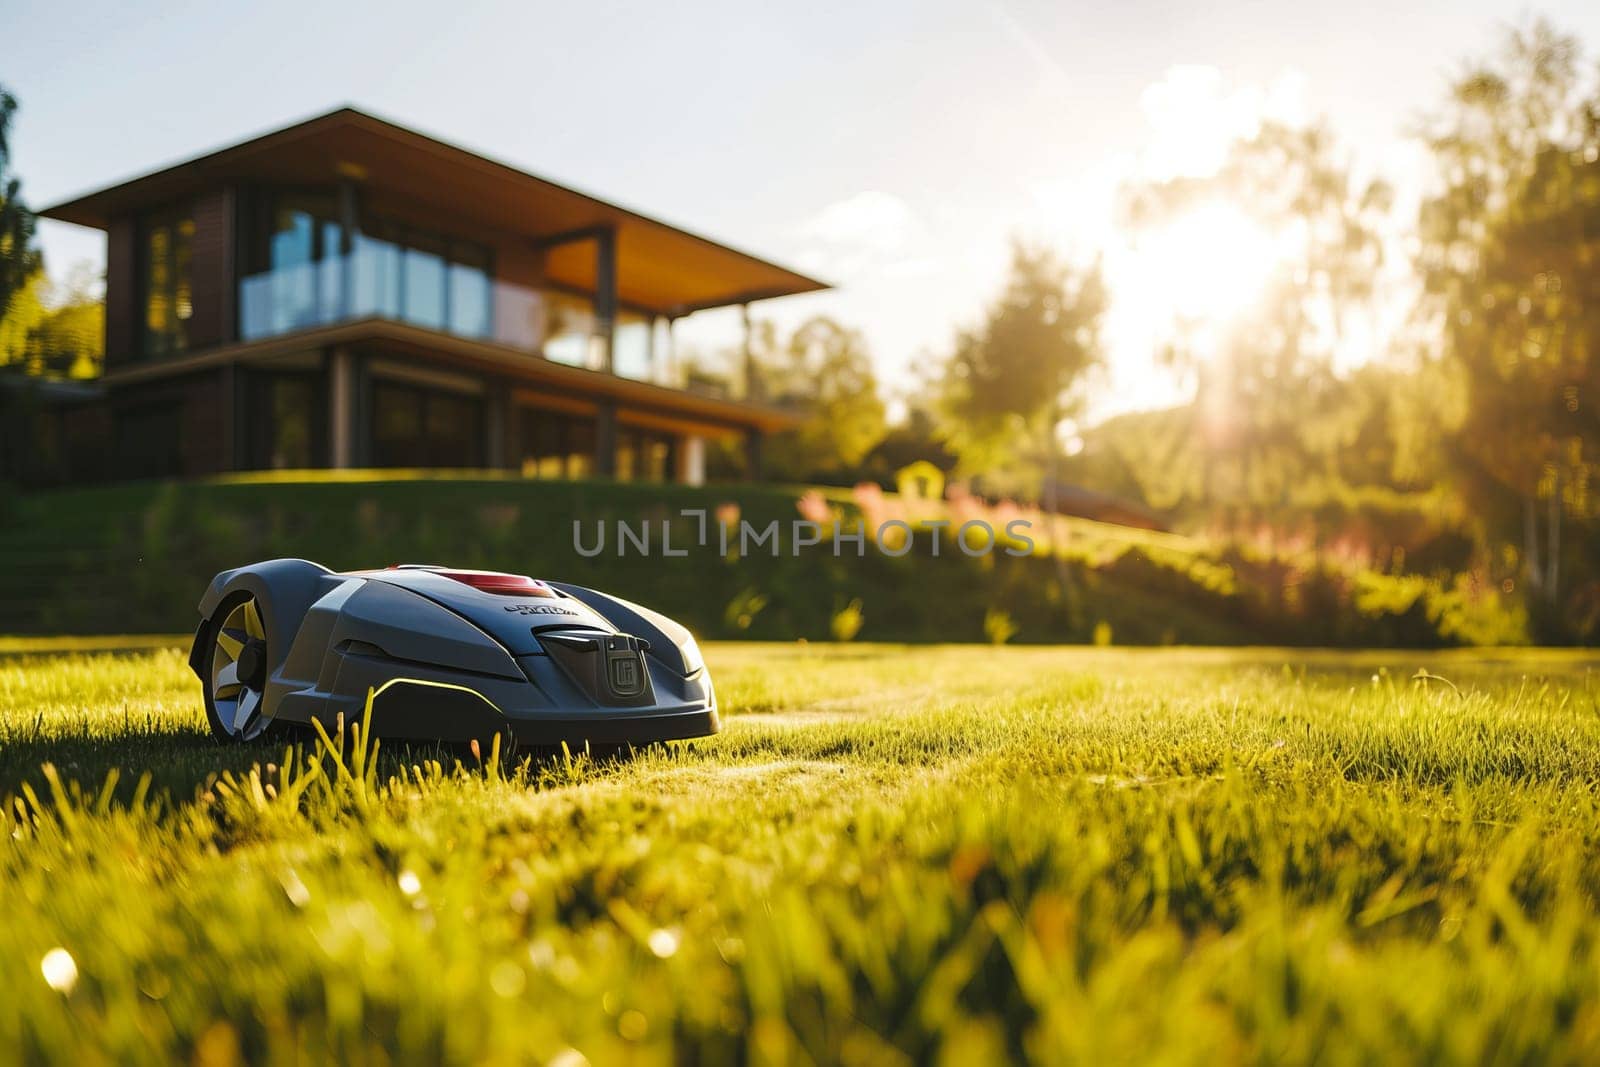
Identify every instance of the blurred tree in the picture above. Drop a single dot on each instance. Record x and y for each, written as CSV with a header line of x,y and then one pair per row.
x,y
1014,379
19,260
1131,455
824,370
915,437
1270,368
1510,258
23,315
52,330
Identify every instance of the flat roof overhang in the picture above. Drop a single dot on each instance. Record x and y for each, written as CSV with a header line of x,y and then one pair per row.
x,y
399,338
660,268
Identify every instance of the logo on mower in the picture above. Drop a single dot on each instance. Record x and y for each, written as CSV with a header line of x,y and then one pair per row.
x,y
625,676
539,609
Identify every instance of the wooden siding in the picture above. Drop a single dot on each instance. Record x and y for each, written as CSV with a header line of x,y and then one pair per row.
x,y
211,270
122,289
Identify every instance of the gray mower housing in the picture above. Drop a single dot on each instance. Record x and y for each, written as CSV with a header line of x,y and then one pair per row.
x,y
449,655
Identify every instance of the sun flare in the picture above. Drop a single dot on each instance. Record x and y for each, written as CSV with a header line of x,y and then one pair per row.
x,y
1206,266
1184,285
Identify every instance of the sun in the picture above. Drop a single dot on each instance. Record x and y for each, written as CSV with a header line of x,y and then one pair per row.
x,y
1185,285
1188,282
1207,265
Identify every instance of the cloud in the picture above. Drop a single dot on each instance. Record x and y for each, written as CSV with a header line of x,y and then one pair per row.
x,y
1194,115
869,233
873,219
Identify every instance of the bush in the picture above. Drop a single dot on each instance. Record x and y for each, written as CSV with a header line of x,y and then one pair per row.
x,y
135,558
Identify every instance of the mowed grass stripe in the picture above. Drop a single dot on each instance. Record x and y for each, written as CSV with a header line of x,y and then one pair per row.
x,y
890,855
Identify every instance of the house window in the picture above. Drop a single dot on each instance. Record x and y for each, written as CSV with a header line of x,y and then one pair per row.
x,y
287,421
633,355
147,440
453,430
644,456
414,427
168,294
557,445
424,272
377,272
306,263
569,326
317,274
414,276
469,295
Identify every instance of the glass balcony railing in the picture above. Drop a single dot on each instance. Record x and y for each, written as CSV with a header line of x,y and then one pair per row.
x,y
458,301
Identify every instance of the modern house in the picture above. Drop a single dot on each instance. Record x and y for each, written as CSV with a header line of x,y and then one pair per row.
x,y
345,292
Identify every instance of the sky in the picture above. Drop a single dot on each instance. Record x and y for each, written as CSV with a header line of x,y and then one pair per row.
x,y
894,149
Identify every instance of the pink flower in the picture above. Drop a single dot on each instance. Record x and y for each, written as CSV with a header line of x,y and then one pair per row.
x,y
813,507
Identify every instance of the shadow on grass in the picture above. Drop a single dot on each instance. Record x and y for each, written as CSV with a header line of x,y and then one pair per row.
x,y
178,759
181,760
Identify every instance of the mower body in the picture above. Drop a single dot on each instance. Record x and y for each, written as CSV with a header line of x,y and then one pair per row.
x,y
447,655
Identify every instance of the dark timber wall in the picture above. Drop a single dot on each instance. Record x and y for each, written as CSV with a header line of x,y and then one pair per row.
x,y
122,302
211,271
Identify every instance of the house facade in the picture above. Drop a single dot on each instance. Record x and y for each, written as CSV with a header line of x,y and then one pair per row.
x,y
347,293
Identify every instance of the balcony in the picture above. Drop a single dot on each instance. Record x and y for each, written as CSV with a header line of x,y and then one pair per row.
x,y
460,302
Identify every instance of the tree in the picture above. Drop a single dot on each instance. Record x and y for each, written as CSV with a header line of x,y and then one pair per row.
x,y
1012,380
19,260
826,371
1510,258
1270,375
915,437
54,330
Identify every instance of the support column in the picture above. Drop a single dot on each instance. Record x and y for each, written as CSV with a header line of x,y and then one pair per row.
x,y
752,380
342,390
670,346
692,460
752,455
496,423
605,440
605,297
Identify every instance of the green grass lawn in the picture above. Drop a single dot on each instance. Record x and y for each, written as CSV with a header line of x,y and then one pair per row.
x,y
889,855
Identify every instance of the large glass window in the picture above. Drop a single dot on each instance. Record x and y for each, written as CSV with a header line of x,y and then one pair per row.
x,y
287,420
294,290
384,270
631,357
470,298
415,427
168,293
331,296
376,288
644,456
396,426
556,444
424,274
147,441
568,329
452,429
305,286
403,273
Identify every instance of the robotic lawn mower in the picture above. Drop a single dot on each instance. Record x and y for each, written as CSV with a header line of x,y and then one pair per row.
x,y
449,655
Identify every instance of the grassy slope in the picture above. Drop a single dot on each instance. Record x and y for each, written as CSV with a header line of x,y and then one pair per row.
x,y
134,558
889,854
